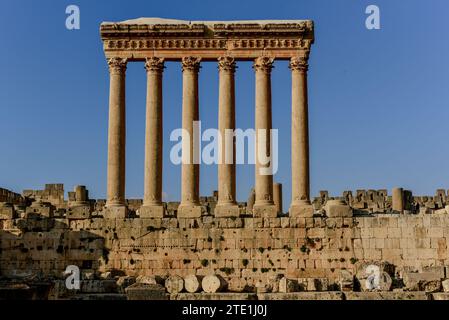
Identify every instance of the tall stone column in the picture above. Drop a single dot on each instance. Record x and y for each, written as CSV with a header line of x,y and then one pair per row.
x,y
264,205
300,205
115,203
226,205
152,202
190,206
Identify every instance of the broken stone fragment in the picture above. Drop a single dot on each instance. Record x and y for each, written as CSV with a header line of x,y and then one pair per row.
x,y
174,284
142,291
213,283
192,283
146,280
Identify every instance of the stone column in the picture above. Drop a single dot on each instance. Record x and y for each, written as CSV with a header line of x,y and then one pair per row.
x,y
152,202
190,206
398,200
300,205
264,205
226,205
116,139
277,197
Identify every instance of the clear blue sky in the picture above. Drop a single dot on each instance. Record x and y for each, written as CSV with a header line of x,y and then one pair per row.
x,y
379,99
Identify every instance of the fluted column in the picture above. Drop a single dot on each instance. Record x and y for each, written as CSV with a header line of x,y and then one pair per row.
x,y
152,201
190,206
300,205
116,135
264,205
226,205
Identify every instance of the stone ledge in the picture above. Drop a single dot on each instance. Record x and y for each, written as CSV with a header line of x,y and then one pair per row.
x,y
332,295
214,296
410,295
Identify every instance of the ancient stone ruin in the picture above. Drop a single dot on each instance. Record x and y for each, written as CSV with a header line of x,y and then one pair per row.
x,y
364,244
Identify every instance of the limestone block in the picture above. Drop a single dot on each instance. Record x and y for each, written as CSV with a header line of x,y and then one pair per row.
x,y
174,284
337,208
445,285
116,212
39,209
264,211
304,211
192,283
346,280
189,212
440,296
224,211
213,283
141,291
124,282
79,212
7,212
152,211
317,284
288,285
424,281
146,279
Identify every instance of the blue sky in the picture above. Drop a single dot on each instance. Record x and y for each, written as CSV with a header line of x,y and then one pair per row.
x,y
378,99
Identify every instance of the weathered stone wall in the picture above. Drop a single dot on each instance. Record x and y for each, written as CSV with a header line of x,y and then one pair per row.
x,y
247,252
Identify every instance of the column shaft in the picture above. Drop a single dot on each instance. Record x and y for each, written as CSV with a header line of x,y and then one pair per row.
x,y
189,206
116,133
300,139
226,205
152,202
264,205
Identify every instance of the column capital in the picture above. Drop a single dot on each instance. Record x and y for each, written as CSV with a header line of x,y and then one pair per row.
x,y
191,64
226,63
299,64
154,64
264,64
117,65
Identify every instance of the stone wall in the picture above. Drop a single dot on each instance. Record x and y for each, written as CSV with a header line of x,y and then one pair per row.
x,y
247,252
252,254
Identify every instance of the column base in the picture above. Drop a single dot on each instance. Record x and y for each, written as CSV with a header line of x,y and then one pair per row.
x,y
155,211
303,210
264,211
116,212
189,211
227,210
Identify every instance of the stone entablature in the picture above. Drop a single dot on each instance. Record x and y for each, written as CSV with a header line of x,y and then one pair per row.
x,y
173,39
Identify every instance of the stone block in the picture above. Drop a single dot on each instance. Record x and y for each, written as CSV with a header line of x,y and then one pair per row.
x,y
115,212
264,211
224,211
189,211
440,296
151,211
141,291
7,212
303,211
337,208
78,213
424,281
445,285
